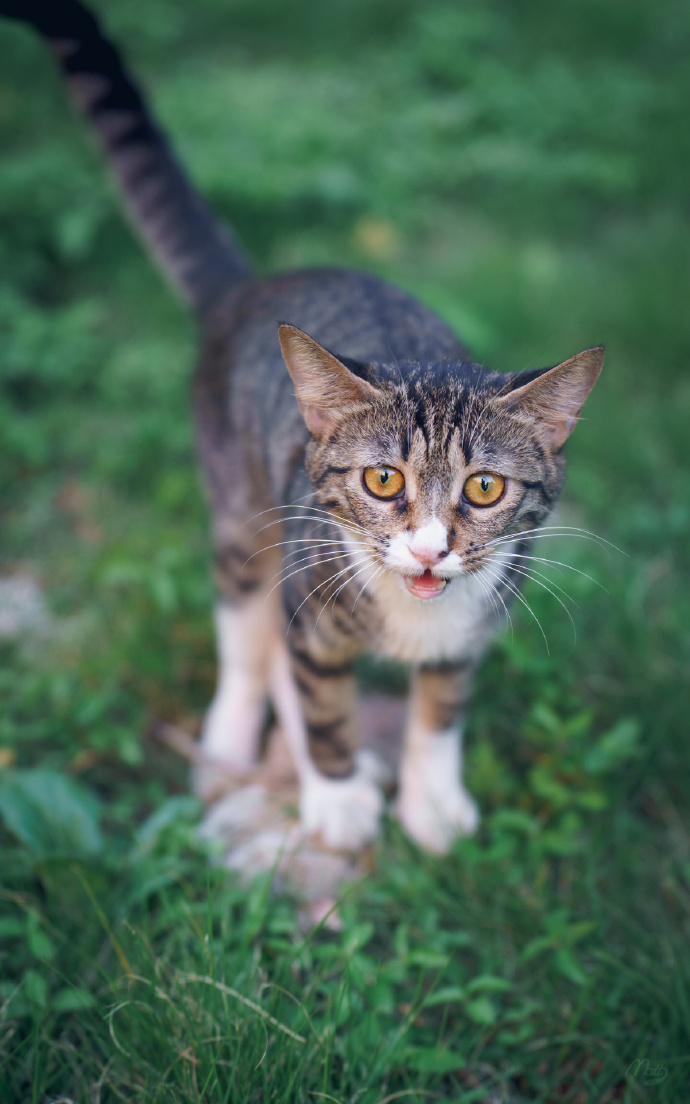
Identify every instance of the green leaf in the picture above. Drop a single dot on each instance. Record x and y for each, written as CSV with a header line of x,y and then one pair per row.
x,y
617,746
568,965
357,937
549,788
36,988
578,930
51,814
536,946
40,944
481,1010
72,1000
515,820
488,983
429,960
444,996
183,807
433,1059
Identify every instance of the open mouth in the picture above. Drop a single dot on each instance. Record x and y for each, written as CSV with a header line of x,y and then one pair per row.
x,y
427,585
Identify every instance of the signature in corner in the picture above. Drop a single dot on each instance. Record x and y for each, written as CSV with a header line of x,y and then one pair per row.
x,y
649,1073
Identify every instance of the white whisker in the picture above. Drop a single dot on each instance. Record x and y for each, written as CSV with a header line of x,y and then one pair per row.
x,y
297,540
329,581
325,559
498,595
309,561
328,520
334,597
556,563
487,587
367,583
529,575
545,531
516,593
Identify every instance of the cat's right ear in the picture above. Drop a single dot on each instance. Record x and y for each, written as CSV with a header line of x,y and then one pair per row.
x,y
326,390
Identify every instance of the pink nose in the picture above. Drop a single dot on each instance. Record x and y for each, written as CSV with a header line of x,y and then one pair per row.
x,y
428,556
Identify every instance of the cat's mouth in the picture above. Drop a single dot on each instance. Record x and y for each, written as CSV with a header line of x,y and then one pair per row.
x,y
426,585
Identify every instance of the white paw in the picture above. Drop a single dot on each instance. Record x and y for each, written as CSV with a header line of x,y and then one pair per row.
x,y
345,812
433,806
435,818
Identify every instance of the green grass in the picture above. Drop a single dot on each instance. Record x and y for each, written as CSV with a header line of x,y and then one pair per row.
x,y
522,168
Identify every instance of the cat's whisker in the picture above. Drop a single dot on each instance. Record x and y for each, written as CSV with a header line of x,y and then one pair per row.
x,y
316,514
319,511
533,576
486,586
367,583
533,573
297,540
319,521
366,558
331,579
308,560
555,531
325,559
333,597
516,593
324,583
307,566
496,592
556,563
286,506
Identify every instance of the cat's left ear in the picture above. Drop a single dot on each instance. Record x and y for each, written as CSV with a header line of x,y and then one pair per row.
x,y
326,390
554,399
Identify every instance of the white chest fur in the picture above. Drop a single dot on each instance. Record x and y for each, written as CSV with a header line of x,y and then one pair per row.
x,y
457,624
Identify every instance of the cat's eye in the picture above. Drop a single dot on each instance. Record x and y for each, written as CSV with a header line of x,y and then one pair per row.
x,y
384,482
484,489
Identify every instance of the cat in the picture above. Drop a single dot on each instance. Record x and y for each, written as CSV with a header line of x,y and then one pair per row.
x,y
372,488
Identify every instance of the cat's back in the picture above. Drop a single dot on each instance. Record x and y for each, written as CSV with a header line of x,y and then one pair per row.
x,y
355,315
244,397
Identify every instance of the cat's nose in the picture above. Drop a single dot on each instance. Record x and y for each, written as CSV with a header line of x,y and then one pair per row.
x,y
429,557
429,544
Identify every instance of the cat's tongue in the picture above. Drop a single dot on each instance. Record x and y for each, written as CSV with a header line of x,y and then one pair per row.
x,y
426,585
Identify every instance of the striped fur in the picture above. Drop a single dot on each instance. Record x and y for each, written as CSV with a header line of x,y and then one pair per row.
x,y
196,253
313,570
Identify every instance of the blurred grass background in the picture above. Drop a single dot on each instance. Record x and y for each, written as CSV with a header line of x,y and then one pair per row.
x,y
522,168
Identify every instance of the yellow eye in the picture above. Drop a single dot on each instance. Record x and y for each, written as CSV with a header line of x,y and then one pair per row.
x,y
384,482
484,489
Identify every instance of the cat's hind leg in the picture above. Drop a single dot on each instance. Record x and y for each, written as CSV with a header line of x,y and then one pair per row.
x,y
246,621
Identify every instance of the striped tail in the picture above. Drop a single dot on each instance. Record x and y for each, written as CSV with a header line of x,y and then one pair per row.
x,y
195,251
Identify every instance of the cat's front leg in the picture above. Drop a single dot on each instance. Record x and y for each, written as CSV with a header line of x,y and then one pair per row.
x,y
315,699
433,805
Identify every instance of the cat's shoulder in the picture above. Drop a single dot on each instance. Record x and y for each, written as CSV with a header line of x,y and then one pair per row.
x,y
355,314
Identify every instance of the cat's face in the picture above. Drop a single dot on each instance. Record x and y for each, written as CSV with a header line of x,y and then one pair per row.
x,y
427,466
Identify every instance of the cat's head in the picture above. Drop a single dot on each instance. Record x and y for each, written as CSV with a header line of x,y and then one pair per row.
x,y
428,464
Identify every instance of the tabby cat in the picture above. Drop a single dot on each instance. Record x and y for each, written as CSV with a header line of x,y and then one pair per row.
x,y
372,488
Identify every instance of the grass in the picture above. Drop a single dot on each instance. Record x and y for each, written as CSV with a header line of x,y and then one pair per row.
x,y
522,169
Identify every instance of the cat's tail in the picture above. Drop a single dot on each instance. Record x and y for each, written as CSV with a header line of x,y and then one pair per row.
x,y
195,251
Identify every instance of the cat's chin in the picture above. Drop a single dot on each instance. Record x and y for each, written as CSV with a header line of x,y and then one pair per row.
x,y
425,586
